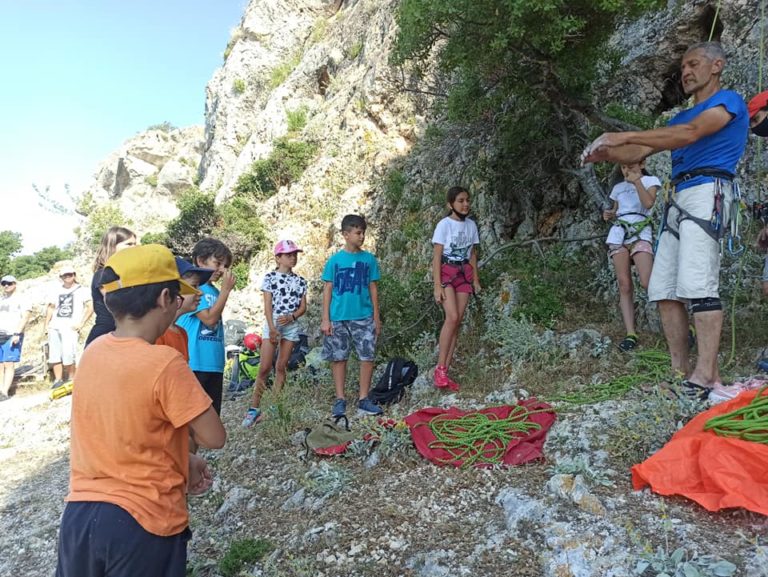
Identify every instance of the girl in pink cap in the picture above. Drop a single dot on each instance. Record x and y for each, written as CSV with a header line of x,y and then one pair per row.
x,y
285,300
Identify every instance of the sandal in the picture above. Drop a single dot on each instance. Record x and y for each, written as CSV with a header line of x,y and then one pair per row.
x,y
629,343
693,390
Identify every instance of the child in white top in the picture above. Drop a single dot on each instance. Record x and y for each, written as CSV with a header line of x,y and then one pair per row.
x,y
630,238
454,271
285,300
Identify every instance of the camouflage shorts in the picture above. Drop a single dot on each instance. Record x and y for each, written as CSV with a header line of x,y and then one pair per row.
x,y
361,334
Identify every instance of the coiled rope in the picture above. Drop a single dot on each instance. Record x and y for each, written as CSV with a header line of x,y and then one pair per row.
x,y
480,438
749,423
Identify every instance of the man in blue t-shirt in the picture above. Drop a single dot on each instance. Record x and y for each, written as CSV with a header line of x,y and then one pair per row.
x,y
351,313
707,141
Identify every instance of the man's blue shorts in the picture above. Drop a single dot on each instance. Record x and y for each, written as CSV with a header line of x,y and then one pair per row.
x,y
10,353
103,540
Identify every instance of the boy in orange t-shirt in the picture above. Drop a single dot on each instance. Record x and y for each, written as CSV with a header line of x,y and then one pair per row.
x,y
134,406
175,336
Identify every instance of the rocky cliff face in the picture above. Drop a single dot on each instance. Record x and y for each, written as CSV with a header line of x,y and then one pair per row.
x,y
146,174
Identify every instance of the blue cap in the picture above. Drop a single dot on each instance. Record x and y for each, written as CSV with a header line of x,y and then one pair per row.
x,y
187,267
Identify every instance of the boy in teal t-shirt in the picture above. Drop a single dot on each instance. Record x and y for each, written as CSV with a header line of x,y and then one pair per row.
x,y
351,313
204,327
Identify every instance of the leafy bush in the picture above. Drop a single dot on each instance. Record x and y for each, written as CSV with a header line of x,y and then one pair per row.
x,y
394,186
99,220
282,71
297,119
326,480
10,244
151,180
354,50
197,219
240,227
238,86
155,238
242,553
163,126
285,164
39,263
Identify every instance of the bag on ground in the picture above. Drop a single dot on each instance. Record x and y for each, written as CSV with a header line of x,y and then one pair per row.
x,y
399,374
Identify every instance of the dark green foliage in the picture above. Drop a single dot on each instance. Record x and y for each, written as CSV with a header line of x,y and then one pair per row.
x,y
39,263
242,553
632,117
502,48
407,309
10,244
197,218
162,126
155,238
297,119
285,164
394,186
240,227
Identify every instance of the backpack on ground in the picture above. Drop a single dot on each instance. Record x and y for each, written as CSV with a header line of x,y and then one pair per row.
x,y
399,374
298,354
331,437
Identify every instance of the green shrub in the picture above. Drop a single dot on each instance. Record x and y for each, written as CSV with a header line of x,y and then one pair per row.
x,y
240,227
238,86
242,553
163,126
394,186
241,271
282,71
151,180
99,220
633,117
297,119
284,165
37,264
197,219
354,50
155,238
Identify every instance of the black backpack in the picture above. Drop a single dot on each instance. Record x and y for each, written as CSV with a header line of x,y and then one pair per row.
x,y
298,355
400,373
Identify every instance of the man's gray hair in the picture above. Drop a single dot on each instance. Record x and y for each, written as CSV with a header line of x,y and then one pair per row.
x,y
712,50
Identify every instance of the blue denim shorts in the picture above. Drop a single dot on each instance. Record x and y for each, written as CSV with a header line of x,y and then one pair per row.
x,y
289,332
361,334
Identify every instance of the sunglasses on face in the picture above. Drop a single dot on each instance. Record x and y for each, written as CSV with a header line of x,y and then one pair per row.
x,y
6,283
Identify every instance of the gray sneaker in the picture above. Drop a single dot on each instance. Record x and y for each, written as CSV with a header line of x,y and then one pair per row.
x,y
339,408
367,407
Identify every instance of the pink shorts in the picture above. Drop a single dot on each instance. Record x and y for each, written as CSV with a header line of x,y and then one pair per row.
x,y
634,248
459,276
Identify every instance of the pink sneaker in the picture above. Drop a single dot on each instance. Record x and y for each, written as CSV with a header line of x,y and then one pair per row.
x,y
441,377
453,385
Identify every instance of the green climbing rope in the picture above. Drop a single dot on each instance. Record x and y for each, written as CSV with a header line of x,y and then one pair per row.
x,y
651,366
480,438
749,423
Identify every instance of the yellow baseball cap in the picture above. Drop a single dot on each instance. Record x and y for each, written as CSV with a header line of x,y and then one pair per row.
x,y
142,265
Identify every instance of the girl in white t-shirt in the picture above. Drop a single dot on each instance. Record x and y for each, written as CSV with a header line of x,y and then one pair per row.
x,y
454,270
630,238
285,300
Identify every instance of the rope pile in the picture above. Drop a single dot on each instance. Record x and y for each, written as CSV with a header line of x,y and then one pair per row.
x,y
480,438
749,423
652,366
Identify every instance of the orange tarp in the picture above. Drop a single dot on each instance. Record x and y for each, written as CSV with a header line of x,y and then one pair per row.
x,y
716,472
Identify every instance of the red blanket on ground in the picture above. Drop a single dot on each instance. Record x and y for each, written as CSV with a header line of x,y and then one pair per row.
x,y
523,448
716,472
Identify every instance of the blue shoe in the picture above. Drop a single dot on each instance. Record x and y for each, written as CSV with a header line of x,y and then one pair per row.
x,y
762,364
339,408
252,417
367,407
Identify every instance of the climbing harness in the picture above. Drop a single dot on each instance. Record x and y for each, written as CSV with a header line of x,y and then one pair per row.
x,y
749,423
480,438
459,264
633,229
727,235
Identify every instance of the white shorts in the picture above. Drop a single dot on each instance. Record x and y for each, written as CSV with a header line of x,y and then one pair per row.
x,y
62,346
689,267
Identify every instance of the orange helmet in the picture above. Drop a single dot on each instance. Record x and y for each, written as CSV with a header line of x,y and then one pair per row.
x,y
252,341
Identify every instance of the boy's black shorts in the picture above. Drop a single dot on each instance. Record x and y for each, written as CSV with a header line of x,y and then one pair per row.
x,y
213,384
103,540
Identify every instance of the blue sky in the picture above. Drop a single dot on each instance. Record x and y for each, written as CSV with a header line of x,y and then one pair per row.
x,y
79,77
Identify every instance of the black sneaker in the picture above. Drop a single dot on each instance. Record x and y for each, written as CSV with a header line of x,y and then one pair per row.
x,y
56,384
629,343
